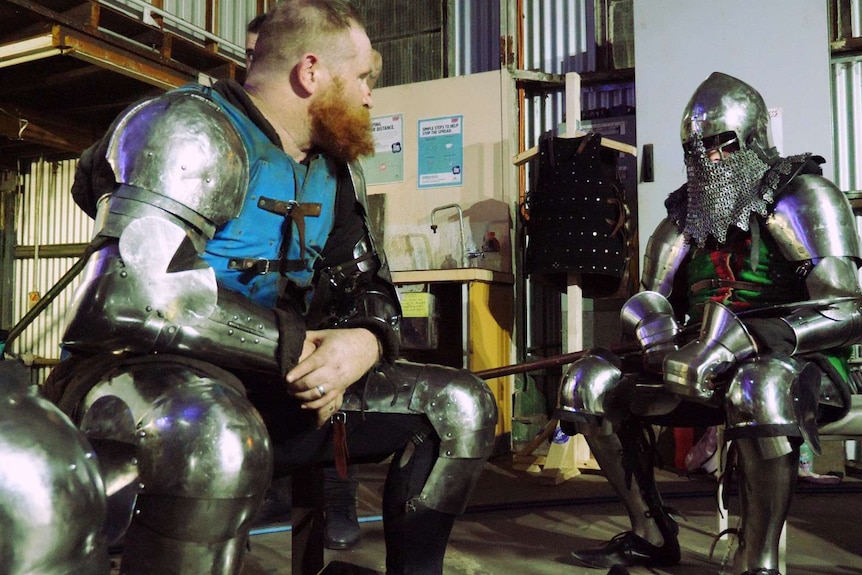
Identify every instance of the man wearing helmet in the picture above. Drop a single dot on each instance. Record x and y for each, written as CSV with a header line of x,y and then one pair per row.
x,y
760,252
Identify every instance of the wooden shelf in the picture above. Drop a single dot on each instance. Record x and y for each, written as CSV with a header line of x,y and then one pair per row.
x,y
458,275
68,67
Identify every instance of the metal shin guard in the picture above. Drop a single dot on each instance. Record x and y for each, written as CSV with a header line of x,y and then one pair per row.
x,y
204,458
766,493
628,460
51,495
460,408
416,535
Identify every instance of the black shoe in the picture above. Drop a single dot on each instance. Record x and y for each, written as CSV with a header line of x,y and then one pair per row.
x,y
342,568
341,529
629,549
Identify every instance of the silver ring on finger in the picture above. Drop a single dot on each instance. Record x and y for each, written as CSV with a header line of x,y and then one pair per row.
x,y
321,390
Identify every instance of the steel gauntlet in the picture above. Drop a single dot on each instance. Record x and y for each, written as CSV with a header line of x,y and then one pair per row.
x,y
722,343
649,317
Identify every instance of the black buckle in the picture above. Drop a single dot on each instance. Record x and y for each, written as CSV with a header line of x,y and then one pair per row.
x,y
277,206
257,266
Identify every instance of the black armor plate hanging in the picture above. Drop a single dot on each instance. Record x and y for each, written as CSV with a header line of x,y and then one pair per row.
x,y
577,215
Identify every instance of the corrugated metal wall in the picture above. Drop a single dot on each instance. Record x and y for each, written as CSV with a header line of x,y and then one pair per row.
x,y
474,36
190,17
46,217
847,122
559,37
847,104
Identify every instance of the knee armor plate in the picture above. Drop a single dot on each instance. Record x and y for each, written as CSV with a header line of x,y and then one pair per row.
x,y
52,497
460,408
773,396
203,455
585,387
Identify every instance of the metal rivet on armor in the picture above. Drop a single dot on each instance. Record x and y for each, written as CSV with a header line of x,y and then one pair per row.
x,y
183,168
73,467
208,180
142,434
242,340
149,308
448,453
260,326
236,317
257,340
141,486
248,319
123,274
230,332
137,511
433,403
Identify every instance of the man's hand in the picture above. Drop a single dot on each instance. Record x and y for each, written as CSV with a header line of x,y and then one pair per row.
x,y
331,361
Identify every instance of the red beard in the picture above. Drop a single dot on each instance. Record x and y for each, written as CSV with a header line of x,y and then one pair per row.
x,y
341,132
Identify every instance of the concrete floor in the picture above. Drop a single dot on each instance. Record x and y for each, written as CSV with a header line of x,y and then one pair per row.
x,y
516,524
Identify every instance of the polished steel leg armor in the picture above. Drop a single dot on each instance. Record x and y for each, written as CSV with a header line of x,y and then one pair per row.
x,y
204,459
775,397
586,405
461,410
771,406
52,499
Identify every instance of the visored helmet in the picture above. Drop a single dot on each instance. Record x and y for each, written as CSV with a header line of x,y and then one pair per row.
x,y
727,152
725,111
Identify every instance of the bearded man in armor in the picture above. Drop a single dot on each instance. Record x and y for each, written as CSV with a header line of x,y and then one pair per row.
x,y
237,320
750,300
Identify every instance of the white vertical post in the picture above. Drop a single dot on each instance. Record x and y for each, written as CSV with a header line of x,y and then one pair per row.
x,y
574,294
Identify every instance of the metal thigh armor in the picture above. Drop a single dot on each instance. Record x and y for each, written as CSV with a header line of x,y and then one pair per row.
x,y
203,455
460,408
52,498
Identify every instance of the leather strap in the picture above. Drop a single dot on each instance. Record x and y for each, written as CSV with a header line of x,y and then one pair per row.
x,y
717,283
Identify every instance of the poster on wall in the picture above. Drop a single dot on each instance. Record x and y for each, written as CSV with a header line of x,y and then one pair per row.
x,y
386,166
441,152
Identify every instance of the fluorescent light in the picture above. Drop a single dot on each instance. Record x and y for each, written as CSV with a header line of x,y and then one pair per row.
x,y
6,62
29,50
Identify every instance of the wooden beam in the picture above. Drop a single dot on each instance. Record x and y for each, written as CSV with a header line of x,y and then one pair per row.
x,y
98,52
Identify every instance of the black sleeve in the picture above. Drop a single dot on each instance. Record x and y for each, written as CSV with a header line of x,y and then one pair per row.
x,y
93,177
366,298
771,334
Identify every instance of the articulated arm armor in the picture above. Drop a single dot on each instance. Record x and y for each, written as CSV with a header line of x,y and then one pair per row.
x,y
183,171
812,224
355,295
665,251
359,293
